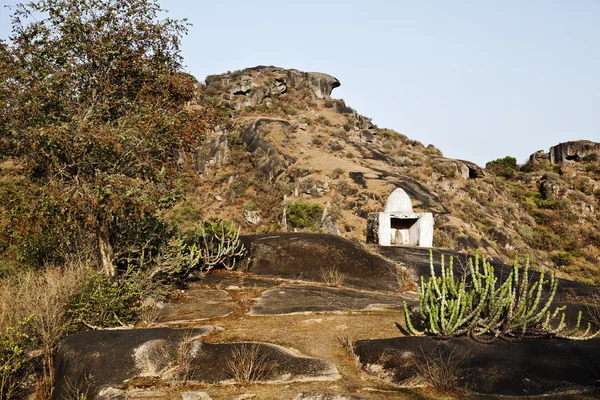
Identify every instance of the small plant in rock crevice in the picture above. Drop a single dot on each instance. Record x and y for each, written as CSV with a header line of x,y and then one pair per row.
x,y
332,276
248,364
441,370
480,306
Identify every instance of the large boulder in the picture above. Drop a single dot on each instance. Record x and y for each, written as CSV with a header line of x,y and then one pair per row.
x,y
525,368
309,256
321,84
92,362
575,151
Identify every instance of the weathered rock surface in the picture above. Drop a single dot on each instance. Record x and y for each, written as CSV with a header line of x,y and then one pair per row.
x,y
216,155
271,162
97,360
209,364
325,396
249,87
321,84
525,368
103,363
300,299
575,150
197,304
284,255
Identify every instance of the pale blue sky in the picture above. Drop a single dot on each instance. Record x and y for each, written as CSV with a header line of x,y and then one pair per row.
x,y
478,79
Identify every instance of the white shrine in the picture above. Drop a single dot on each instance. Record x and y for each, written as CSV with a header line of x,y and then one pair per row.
x,y
398,224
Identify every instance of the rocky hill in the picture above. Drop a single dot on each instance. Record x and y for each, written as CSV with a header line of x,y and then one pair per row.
x,y
285,147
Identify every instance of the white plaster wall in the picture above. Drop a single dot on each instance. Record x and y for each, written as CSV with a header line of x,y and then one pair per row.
x,y
426,230
385,228
414,233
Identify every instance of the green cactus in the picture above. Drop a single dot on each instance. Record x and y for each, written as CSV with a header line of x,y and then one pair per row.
x,y
478,306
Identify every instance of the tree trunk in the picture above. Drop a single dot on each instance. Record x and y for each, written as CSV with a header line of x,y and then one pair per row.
x,y
106,258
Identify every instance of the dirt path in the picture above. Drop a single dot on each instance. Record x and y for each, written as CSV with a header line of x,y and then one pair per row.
x,y
324,335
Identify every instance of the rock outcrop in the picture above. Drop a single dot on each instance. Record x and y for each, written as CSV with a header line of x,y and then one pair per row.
x,y
321,84
575,151
283,255
249,87
525,368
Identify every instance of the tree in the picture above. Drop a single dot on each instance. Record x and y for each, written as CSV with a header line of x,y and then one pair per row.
x,y
92,98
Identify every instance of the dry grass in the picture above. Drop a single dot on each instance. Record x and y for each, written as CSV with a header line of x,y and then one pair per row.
x,y
593,309
247,364
185,355
149,314
332,276
346,343
43,295
441,371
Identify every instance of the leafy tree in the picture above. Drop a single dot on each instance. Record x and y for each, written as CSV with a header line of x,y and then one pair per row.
x,y
92,98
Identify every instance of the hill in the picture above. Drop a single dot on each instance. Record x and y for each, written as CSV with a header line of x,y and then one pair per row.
x,y
285,145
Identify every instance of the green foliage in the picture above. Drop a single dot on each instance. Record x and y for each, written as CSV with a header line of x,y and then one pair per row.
x,y
485,308
15,362
505,167
562,259
105,302
210,244
91,101
250,205
301,215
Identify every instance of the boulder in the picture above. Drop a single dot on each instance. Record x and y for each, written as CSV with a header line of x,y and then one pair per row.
x,y
252,217
283,255
551,189
245,85
472,170
279,86
101,361
296,78
525,368
538,157
574,151
321,84
104,363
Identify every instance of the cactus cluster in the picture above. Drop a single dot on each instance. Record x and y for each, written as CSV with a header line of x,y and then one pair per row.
x,y
480,306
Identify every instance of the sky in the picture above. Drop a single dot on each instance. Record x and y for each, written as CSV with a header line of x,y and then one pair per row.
x,y
478,79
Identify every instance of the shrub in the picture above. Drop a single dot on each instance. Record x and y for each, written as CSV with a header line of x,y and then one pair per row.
x,y
210,244
335,146
486,309
338,171
506,167
15,363
304,215
562,259
105,303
